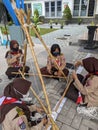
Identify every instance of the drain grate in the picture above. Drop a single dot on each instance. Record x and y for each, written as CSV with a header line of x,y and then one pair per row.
x,y
62,38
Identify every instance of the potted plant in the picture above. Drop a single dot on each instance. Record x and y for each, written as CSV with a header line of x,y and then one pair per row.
x,y
36,21
51,22
56,21
92,23
61,24
67,14
79,21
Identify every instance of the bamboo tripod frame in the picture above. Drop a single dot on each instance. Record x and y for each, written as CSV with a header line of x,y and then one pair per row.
x,y
44,108
22,22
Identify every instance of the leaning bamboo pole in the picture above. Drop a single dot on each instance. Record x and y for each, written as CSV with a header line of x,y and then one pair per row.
x,y
40,38
44,108
24,58
20,18
64,93
32,74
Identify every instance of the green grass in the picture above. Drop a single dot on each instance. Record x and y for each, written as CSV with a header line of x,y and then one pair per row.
x,y
43,31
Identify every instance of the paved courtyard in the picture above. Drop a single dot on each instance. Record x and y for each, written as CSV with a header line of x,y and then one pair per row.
x,y
68,118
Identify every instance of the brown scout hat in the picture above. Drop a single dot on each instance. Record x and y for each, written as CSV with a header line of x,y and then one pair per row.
x,y
21,85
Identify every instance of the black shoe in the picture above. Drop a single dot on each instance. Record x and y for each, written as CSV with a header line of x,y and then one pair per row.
x,y
9,77
83,105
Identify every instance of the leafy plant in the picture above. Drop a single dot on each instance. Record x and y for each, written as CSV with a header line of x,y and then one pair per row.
x,y
51,22
62,24
79,20
10,23
67,13
36,20
56,21
36,17
92,23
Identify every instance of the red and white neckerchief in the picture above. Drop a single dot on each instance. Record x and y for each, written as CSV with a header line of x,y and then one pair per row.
x,y
8,100
58,61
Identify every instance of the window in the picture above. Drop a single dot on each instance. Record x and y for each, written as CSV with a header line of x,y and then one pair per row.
x,y
91,8
83,7
27,6
76,8
53,8
59,8
47,9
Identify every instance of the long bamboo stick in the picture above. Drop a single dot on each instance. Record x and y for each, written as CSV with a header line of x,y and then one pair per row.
x,y
32,74
65,91
40,38
24,58
44,108
21,20
54,126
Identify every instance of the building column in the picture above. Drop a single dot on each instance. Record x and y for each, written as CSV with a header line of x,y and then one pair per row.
x,y
96,11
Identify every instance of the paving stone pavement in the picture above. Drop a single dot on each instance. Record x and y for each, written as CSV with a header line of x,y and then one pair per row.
x,y
67,119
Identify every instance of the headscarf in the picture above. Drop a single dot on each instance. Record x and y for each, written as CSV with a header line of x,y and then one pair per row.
x,y
11,90
91,65
12,49
12,43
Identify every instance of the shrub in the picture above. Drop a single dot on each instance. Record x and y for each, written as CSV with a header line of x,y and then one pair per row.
x,y
42,19
67,13
36,17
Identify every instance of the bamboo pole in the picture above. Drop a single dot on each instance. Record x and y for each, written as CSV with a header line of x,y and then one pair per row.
x,y
32,74
54,126
65,91
41,79
44,108
40,38
24,58
20,16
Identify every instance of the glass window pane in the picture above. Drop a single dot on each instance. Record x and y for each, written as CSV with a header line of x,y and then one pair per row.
x,y
47,4
58,3
46,9
76,1
76,10
52,9
58,8
29,6
83,8
91,7
52,4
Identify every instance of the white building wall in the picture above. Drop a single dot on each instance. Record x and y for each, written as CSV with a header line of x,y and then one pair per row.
x,y
69,2
64,2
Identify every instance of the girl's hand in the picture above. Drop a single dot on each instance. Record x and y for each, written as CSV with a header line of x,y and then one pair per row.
x,y
74,75
78,63
18,55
